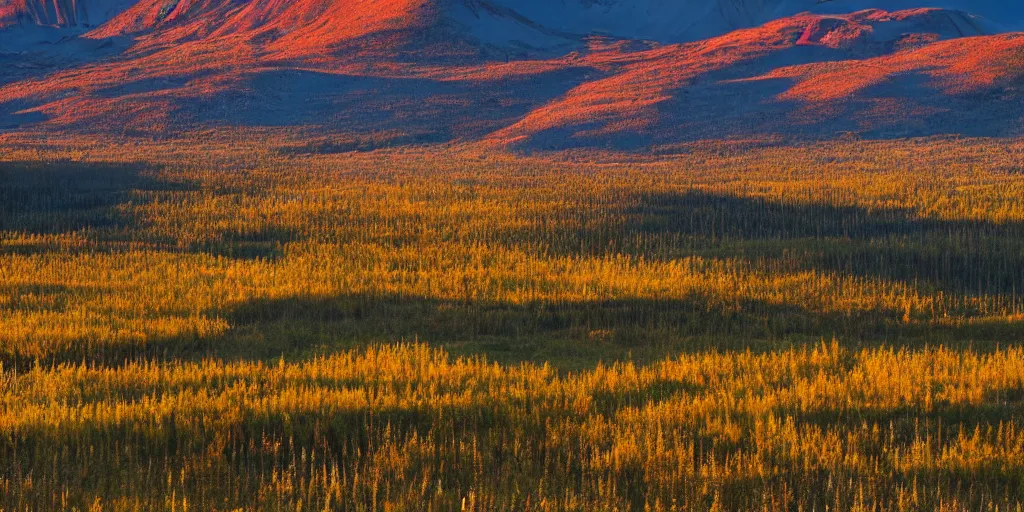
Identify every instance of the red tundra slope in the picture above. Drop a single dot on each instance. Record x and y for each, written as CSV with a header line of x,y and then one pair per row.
x,y
298,28
384,72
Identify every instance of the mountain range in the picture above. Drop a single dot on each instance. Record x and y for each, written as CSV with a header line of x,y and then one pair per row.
x,y
526,74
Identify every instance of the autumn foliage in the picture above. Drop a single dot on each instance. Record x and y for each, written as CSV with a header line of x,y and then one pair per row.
x,y
216,325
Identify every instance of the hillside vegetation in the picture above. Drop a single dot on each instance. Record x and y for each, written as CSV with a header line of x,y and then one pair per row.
x,y
581,74
215,326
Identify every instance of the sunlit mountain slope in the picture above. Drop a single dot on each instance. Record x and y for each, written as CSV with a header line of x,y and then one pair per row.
x,y
572,74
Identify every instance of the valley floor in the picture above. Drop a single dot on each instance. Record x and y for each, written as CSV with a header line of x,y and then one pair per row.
x,y
729,326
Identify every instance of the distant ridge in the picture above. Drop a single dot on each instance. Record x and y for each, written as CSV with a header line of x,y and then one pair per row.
x,y
525,22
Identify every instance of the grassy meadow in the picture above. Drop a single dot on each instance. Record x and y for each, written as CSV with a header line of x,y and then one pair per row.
x,y
728,326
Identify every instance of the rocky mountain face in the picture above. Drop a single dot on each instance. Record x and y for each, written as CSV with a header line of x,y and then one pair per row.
x,y
60,13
